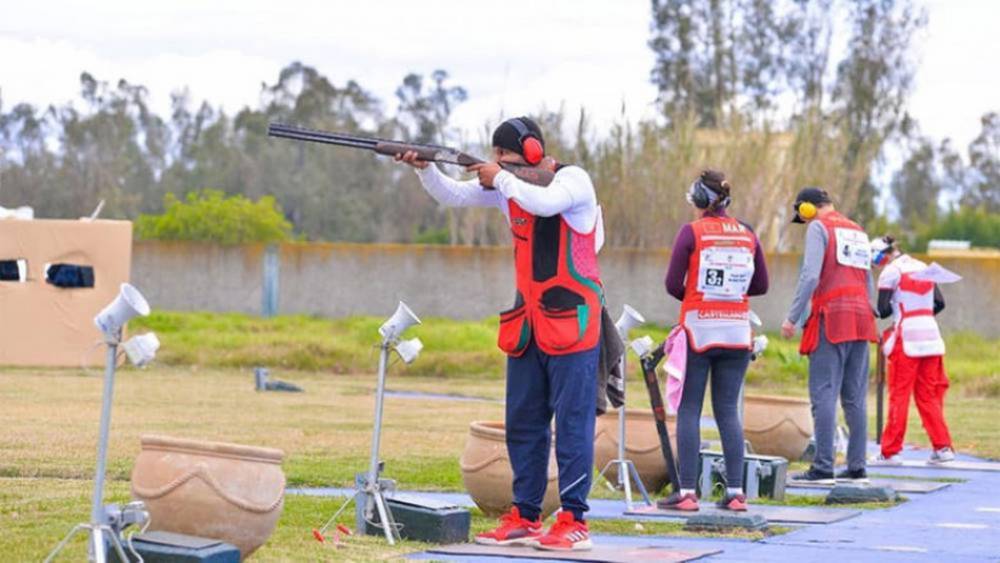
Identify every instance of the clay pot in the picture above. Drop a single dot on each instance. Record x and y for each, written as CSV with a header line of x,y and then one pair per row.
x,y
223,491
780,426
487,474
642,446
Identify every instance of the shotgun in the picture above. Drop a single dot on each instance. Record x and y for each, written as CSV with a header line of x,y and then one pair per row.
x,y
649,363
429,153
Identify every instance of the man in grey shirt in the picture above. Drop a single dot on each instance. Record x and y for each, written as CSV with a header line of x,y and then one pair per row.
x,y
836,280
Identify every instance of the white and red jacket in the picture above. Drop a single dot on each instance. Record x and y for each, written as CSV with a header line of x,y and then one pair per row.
x,y
912,308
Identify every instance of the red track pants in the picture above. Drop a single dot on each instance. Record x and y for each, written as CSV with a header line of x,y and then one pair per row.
x,y
926,380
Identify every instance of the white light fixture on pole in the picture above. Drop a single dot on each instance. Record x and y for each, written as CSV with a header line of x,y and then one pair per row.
x,y
106,522
370,488
627,472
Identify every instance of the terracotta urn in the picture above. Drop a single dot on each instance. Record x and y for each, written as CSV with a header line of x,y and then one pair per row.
x,y
642,446
487,474
223,491
780,426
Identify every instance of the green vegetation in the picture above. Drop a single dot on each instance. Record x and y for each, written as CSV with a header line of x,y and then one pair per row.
x,y
456,349
975,224
211,216
452,348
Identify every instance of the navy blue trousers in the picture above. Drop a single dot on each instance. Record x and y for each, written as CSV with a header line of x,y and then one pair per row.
x,y
538,387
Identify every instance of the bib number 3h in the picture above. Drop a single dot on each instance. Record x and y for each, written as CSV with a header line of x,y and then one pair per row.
x,y
724,273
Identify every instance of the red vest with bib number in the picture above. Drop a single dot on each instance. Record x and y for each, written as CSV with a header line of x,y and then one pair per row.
x,y
715,311
559,293
840,300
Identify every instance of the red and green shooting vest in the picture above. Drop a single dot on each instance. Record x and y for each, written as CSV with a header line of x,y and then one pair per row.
x,y
559,292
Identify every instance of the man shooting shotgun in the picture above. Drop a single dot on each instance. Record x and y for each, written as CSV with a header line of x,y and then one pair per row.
x,y
425,153
552,333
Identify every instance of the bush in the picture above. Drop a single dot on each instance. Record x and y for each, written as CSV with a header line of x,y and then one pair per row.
x,y
211,216
974,224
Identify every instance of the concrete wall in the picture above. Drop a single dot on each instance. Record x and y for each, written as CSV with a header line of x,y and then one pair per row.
x,y
336,279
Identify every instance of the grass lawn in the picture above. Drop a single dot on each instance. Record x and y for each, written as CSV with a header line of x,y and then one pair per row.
x,y
202,387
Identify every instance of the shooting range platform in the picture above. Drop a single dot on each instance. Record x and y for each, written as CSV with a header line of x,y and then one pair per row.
x,y
959,523
958,464
905,486
608,553
795,515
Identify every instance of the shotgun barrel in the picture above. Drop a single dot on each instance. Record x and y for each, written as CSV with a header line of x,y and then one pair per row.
x,y
432,153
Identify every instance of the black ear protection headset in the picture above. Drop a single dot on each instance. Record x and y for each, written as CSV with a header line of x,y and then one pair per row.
x,y
700,196
531,146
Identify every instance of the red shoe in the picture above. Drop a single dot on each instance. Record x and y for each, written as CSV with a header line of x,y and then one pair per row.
x,y
737,503
677,501
513,530
567,534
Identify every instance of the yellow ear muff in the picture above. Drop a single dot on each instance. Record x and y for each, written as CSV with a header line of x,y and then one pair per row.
x,y
806,210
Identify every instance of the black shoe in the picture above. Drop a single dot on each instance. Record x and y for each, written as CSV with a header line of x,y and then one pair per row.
x,y
853,475
814,476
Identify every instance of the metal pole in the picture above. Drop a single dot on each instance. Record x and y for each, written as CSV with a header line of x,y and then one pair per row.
x,y
97,516
377,432
879,390
374,487
623,469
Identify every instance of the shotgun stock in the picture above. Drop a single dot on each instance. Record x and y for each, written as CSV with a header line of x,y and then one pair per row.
x,y
649,363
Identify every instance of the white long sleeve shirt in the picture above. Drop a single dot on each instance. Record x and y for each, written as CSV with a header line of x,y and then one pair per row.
x,y
571,194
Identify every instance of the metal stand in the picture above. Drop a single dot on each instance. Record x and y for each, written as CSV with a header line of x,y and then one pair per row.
x,y
625,467
879,390
370,490
99,528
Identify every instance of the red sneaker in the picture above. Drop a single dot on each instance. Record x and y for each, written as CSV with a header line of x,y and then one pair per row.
x,y
677,501
737,503
567,534
513,530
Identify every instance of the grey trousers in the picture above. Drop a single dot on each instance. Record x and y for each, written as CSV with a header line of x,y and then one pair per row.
x,y
839,371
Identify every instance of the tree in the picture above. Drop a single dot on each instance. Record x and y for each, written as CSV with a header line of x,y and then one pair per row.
x,y
916,187
983,189
873,84
426,111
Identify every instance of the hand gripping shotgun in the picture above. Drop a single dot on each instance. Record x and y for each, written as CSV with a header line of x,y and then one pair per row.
x,y
429,153
649,360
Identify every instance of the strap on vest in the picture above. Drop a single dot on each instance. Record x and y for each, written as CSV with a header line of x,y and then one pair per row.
x,y
820,301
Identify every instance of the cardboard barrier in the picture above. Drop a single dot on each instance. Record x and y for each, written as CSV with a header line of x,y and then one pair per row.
x,y
45,325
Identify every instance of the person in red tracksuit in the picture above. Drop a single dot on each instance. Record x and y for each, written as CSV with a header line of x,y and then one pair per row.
x,y
914,349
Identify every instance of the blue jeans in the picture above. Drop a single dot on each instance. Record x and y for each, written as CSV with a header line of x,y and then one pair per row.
x,y
539,386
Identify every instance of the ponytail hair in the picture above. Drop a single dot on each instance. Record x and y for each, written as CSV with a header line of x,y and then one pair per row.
x,y
717,182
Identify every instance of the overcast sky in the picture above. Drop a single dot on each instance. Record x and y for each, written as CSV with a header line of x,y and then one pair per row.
x,y
512,56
